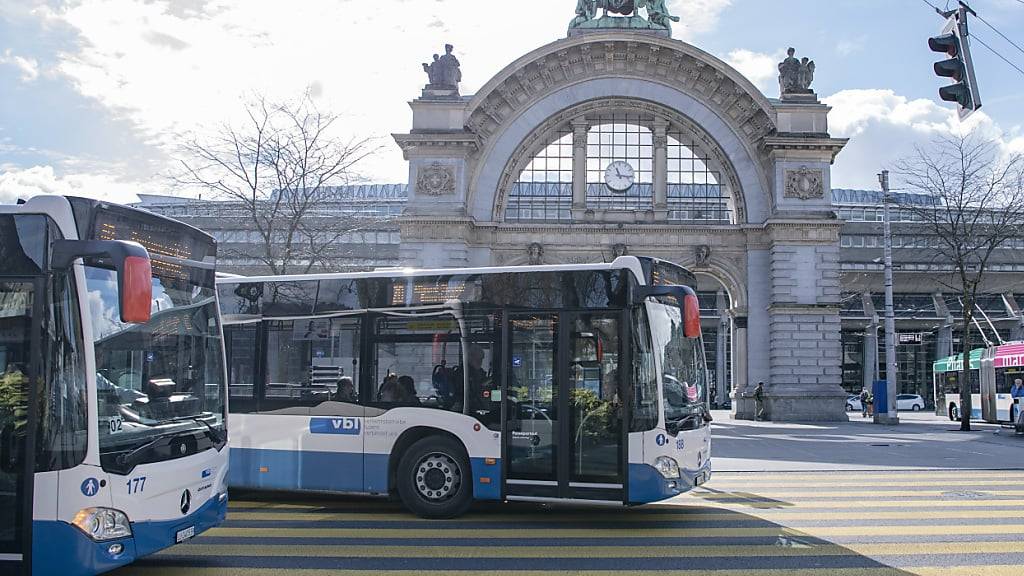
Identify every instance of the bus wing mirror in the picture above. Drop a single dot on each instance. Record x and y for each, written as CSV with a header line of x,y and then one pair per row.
x,y
130,260
685,298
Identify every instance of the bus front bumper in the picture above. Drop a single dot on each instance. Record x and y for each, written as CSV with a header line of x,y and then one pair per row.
x,y
60,548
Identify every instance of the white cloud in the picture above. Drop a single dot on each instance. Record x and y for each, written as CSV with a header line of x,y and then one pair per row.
x,y
15,184
28,67
884,127
696,16
761,69
851,45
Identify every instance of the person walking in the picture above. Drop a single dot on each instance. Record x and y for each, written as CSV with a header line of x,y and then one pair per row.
x,y
864,396
759,401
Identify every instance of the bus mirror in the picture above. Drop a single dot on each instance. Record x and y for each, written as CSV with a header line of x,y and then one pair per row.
x,y
130,260
135,287
691,316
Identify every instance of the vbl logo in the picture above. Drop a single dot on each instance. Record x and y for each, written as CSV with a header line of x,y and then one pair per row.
x,y
343,426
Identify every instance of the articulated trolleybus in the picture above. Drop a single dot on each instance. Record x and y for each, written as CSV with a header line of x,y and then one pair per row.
x,y
561,383
112,396
992,373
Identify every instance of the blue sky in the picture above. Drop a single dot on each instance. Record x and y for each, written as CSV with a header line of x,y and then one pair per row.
x,y
94,95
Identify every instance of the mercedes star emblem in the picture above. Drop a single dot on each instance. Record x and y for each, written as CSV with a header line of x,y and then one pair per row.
x,y
186,501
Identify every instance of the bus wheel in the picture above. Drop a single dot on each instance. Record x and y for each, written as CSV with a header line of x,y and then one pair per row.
x,y
954,414
434,479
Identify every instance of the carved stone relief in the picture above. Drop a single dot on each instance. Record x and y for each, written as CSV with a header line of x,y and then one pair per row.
x,y
437,179
805,183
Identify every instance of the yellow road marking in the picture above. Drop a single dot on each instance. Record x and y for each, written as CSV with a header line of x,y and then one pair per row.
x,y
683,515
862,495
957,483
600,532
986,570
759,551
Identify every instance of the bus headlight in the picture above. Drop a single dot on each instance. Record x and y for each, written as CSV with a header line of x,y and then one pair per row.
x,y
668,467
102,524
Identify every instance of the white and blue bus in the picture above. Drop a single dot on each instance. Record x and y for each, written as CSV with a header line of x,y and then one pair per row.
x,y
112,392
544,383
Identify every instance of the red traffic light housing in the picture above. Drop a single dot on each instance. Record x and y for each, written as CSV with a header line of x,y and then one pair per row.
x,y
959,67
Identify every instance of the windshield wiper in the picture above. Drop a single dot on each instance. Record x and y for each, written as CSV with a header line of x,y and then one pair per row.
x,y
128,458
675,426
212,432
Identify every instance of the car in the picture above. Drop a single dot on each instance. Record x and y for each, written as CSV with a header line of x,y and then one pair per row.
x,y
853,404
913,402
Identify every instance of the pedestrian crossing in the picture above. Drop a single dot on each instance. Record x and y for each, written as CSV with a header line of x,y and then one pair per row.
x,y
765,524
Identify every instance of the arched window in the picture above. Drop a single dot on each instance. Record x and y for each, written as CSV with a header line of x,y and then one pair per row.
x,y
621,160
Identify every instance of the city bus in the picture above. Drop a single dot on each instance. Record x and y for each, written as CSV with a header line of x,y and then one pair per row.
x,y
993,371
581,383
113,439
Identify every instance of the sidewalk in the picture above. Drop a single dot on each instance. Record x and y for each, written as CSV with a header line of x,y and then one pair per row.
x,y
920,441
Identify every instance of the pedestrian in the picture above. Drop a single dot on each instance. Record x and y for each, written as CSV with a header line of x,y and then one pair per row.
x,y
1017,390
864,396
759,401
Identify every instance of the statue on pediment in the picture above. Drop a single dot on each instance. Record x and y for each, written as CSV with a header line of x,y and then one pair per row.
x,y
628,16
796,75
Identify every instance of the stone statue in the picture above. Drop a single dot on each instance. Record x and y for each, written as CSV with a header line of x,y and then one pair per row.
x,y
657,13
789,73
703,255
658,18
444,73
585,12
432,71
806,77
535,252
623,7
451,71
619,250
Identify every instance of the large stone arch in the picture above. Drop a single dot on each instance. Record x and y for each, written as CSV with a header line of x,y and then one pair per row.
x,y
698,87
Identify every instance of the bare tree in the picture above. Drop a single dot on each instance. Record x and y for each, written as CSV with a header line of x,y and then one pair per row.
x,y
978,207
279,166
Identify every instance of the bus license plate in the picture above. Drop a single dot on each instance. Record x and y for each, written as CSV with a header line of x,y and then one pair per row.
x,y
185,534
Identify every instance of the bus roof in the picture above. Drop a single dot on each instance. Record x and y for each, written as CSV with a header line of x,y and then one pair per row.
x,y
956,363
1009,355
623,262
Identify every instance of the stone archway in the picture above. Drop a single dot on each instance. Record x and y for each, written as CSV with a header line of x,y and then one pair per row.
x,y
776,254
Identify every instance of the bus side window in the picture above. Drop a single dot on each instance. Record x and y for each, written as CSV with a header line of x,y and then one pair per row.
x,y
240,342
645,382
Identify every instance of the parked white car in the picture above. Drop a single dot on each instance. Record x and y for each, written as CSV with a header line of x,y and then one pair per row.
x,y
912,402
853,404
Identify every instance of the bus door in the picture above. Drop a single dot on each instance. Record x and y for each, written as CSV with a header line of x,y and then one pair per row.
x,y
564,410
19,361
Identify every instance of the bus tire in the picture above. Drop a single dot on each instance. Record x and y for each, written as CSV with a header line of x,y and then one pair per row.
x,y
434,478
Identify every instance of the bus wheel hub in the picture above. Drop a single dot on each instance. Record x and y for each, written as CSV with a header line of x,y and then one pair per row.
x,y
437,477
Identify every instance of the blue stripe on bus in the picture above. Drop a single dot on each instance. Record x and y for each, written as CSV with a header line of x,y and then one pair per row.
x,y
335,472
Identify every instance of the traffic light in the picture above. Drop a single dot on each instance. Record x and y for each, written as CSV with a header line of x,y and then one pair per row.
x,y
955,43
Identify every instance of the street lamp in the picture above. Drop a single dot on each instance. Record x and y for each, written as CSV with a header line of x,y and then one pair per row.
x,y
891,417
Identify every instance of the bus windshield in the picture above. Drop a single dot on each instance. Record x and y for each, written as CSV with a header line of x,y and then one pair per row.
x,y
684,389
162,376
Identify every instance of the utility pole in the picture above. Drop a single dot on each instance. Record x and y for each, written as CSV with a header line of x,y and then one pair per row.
x,y
891,416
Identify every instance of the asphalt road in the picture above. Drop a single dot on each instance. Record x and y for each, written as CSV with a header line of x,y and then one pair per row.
x,y
769,516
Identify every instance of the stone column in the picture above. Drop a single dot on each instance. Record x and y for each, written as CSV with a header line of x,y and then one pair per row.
x,y
870,353
580,129
742,407
721,348
660,170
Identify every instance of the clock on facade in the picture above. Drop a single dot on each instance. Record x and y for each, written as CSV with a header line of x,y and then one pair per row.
x,y
619,176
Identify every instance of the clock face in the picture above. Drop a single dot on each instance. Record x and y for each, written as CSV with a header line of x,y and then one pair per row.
x,y
619,176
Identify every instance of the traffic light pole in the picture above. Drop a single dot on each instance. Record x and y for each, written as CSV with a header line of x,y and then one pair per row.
x,y
891,368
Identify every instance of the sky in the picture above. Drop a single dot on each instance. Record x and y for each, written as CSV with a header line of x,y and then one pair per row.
x,y
95,95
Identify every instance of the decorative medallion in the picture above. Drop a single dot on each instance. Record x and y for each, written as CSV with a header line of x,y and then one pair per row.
x,y
436,179
805,183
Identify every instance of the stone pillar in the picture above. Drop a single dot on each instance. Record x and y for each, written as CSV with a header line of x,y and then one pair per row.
x,y
435,228
742,405
805,341
580,130
721,348
660,170
870,353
